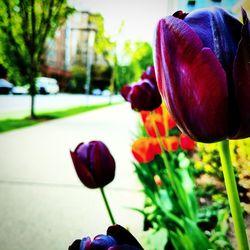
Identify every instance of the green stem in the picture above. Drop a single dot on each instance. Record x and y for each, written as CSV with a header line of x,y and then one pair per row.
x,y
178,190
233,196
107,206
164,158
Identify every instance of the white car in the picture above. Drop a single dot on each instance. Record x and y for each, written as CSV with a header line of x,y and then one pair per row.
x,y
5,86
19,90
46,85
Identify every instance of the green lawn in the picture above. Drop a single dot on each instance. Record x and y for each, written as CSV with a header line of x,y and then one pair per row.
x,y
10,124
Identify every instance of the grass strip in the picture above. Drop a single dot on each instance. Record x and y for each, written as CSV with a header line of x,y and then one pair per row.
x,y
11,124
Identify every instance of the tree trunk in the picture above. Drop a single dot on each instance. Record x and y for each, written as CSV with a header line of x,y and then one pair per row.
x,y
32,94
32,110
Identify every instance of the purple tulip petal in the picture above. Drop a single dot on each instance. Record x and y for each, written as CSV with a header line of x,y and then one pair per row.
x,y
125,91
82,171
221,32
101,156
242,79
85,243
149,74
102,242
144,95
218,31
191,81
75,245
123,236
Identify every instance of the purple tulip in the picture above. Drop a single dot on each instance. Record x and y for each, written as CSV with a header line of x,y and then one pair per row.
x,y
94,164
142,95
117,238
203,73
149,74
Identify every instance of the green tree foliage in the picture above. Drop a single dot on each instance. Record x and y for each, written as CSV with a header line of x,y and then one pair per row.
x,y
105,47
136,57
125,65
24,27
103,44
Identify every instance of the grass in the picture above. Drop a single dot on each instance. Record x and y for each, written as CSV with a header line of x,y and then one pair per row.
x,y
11,124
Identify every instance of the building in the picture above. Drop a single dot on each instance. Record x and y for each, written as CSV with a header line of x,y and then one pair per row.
x,y
71,45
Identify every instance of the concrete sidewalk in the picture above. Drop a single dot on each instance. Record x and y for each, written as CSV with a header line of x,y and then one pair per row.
x,y
43,204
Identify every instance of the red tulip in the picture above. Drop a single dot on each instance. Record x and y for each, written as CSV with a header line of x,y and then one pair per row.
x,y
186,142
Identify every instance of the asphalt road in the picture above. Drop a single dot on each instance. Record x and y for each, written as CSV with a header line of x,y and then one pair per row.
x,y
12,106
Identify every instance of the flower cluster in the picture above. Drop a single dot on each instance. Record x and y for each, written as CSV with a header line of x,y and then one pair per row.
x,y
202,71
159,121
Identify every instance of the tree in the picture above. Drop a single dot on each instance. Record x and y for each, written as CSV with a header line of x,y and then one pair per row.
x,y
24,27
134,58
105,46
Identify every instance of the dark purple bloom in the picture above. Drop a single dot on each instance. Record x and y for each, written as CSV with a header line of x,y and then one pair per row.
x,y
94,164
142,95
117,238
203,73
149,74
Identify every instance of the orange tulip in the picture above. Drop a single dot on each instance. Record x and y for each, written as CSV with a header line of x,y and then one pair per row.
x,y
144,149
158,116
149,125
170,143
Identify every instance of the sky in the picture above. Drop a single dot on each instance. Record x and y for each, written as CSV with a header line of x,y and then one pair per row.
x,y
140,16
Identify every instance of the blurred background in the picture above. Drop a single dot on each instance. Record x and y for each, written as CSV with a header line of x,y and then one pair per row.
x,y
93,48
71,56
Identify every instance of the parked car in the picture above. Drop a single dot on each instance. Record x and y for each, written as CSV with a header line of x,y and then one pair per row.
x,y
47,85
18,90
96,92
106,92
5,86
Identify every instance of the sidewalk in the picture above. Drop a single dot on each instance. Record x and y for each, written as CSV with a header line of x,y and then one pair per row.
x,y
43,203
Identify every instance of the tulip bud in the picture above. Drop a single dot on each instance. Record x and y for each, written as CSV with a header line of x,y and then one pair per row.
x,y
94,164
158,180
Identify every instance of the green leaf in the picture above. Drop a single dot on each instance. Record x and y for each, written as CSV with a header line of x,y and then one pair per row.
x,y
155,240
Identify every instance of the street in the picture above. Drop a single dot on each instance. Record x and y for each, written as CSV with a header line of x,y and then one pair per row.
x,y
15,106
